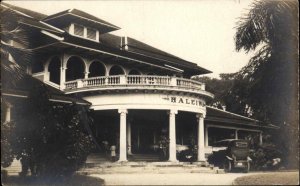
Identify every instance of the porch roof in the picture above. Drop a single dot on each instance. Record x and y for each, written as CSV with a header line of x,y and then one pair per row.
x,y
25,85
219,115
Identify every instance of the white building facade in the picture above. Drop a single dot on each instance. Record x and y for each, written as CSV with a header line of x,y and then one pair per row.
x,y
137,92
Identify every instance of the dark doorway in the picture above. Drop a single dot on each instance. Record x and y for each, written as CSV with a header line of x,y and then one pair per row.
x,y
75,69
116,70
54,70
96,69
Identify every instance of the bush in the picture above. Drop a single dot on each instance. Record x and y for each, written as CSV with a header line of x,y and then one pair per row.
x,y
263,157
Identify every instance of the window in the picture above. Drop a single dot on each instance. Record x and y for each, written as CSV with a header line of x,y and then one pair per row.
x,y
79,30
84,32
91,33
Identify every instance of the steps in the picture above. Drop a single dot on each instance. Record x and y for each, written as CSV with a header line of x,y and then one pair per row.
x,y
14,168
148,167
144,157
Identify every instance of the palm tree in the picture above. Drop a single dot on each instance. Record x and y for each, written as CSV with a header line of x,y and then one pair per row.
x,y
13,59
271,27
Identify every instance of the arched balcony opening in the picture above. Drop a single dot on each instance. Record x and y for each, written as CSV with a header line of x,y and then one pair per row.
x,y
116,70
134,72
54,70
97,69
75,69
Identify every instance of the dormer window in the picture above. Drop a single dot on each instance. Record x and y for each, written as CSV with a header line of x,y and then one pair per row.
x,y
78,30
91,33
84,32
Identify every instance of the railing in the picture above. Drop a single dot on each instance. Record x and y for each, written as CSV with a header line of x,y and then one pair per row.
x,y
131,80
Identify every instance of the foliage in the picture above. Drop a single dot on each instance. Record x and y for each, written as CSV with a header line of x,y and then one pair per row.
x,y
263,155
6,147
11,31
271,75
225,95
50,137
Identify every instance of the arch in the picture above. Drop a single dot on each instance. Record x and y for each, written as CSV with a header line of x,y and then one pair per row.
x,y
97,68
151,74
54,70
134,72
75,68
116,70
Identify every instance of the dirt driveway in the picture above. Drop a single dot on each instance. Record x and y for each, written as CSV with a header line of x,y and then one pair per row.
x,y
169,179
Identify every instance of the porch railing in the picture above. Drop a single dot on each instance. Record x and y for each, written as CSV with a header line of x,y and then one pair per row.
x,y
134,80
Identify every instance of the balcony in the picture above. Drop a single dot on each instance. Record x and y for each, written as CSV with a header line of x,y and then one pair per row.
x,y
136,82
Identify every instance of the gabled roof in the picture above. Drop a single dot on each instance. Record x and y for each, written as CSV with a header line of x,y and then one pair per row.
x,y
219,115
74,15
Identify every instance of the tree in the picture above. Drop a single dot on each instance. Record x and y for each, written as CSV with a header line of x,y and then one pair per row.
x,y
51,138
15,70
271,75
225,95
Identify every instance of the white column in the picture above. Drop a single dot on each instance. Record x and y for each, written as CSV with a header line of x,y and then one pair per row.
x,y
201,153
123,148
129,137
236,134
86,74
206,136
8,114
172,135
63,69
260,138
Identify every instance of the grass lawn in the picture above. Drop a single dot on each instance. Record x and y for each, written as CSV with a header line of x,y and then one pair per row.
x,y
76,180
274,178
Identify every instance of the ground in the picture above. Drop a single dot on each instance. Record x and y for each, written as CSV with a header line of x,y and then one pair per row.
x,y
76,180
274,178
169,179
254,178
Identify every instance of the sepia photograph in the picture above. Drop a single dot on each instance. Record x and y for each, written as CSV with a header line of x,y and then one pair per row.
x,y
162,92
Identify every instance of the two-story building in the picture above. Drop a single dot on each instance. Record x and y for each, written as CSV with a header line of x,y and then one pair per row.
x,y
137,92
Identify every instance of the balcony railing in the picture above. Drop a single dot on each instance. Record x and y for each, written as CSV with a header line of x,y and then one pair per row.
x,y
135,80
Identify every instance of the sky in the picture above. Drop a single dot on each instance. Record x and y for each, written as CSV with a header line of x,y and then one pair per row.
x,y
200,31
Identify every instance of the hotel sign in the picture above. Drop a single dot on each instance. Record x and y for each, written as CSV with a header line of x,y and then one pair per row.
x,y
186,101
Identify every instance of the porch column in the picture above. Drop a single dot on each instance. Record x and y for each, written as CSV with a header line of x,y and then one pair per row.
x,y
129,137
62,78
7,113
201,153
206,136
63,69
172,135
236,134
123,148
260,138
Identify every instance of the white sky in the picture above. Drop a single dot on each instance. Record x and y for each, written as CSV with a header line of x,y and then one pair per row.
x,y
200,31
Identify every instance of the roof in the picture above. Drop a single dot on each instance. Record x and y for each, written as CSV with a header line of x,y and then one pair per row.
x,y
74,15
218,115
25,85
109,43
144,50
33,14
28,18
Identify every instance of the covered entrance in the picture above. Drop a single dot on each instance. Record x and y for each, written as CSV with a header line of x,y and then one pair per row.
x,y
147,133
147,127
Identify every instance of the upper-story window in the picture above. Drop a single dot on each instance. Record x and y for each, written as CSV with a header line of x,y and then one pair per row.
x,y
79,30
91,33
84,32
